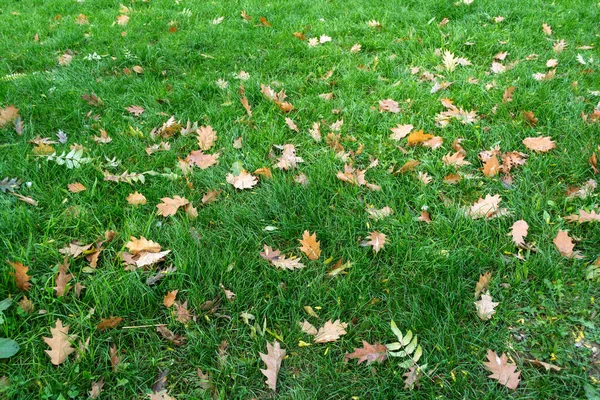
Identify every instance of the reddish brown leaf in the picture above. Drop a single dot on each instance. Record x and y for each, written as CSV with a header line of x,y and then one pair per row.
x,y
369,353
20,274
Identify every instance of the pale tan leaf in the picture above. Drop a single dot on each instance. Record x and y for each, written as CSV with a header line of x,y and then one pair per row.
x,y
518,232
488,207
485,307
202,160
369,353
288,158
541,143
331,331
135,110
400,131
291,124
76,187
169,206
308,328
210,196
169,298
483,283
389,105
376,240
505,373
206,137
242,181
310,246
564,244
273,358
136,246
379,214
60,343
136,199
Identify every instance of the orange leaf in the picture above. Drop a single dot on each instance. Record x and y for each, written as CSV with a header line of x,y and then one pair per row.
x,y
20,274
310,246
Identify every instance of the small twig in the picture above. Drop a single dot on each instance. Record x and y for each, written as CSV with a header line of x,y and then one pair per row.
x,y
143,326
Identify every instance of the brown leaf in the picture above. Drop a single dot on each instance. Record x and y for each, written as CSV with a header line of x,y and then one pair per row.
x,y
229,295
76,187
202,160
288,158
60,343
169,298
291,124
505,373
26,305
279,261
376,240
92,99
136,199
545,365
246,105
412,377
564,244
331,331
418,137
452,179
210,196
136,246
483,284
408,166
310,246
103,138
425,217
307,328
584,216
183,314
491,166
162,395
206,137
489,207
540,143
109,323
8,114
369,353
242,181
389,105
113,353
170,206
20,274
518,232
457,159
135,110
273,358
508,94
177,340
122,19
266,23
264,171
96,390
62,279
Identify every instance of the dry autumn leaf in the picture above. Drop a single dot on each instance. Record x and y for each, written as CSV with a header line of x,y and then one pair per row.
x,y
369,353
170,206
136,199
491,166
135,110
20,274
310,246
76,187
504,372
376,240
202,160
418,137
483,283
60,343
489,207
206,137
109,323
62,279
485,307
210,196
279,261
273,358
243,180
541,143
331,331
389,105
136,246
518,232
564,244
169,298
288,158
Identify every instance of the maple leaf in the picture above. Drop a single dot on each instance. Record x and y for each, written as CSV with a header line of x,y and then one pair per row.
x,y
518,232
273,358
20,274
108,323
243,180
136,246
418,137
62,279
376,240
489,207
136,199
170,206
485,307
483,283
76,187
504,372
564,244
540,143
310,246
135,110
389,105
288,158
331,331
60,343
369,353
206,137
400,131
177,340
169,298
202,160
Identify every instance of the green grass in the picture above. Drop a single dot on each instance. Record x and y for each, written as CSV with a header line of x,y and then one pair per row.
x,y
423,279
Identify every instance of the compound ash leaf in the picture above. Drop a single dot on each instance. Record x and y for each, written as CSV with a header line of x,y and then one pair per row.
x,y
60,343
331,331
310,246
542,144
369,353
518,232
504,372
273,358
20,274
376,240
136,199
170,206
243,180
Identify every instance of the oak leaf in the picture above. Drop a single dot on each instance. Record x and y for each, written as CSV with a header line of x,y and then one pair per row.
x,y
483,283
418,137
291,124
202,160
564,244
108,323
485,307
113,353
376,240
504,372
382,213
135,110
307,328
491,166
518,232
273,358
540,143
288,158
136,199
177,340
369,353
60,343
389,105
169,298
400,131
457,159
243,180
170,206
583,216
210,196
310,246
279,261
489,207
136,246
20,274
76,187
331,331
206,137
8,114
62,279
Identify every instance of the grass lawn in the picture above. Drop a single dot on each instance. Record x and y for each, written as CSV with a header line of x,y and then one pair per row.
x,y
179,58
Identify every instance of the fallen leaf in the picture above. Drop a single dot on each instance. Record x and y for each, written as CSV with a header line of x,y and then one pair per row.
x,y
8,114
206,137
229,295
545,365
489,207
485,307
202,160
379,214
242,181
288,158
310,246
564,244
457,159
291,124
331,331
136,199
183,314
169,206
113,353
210,196
76,187
279,261
20,274
96,390
60,343
177,340
376,241
389,105
308,328
266,23
505,373
491,166
424,216
136,246
369,353
540,143
169,298
62,279
273,358
400,131
418,137
483,283
26,305
135,110
109,323
412,377
518,232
